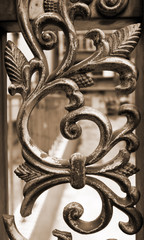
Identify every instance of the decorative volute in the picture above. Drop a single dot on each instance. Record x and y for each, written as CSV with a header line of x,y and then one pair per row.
x,y
41,171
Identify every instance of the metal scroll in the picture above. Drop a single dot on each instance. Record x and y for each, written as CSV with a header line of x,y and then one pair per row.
x,y
41,171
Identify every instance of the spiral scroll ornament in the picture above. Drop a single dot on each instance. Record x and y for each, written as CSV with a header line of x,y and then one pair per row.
x,y
111,8
41,171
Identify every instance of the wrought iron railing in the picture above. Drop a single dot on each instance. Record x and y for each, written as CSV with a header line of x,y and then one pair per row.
x,y
40,171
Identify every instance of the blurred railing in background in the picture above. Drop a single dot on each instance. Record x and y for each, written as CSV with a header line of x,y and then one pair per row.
x,y
44,129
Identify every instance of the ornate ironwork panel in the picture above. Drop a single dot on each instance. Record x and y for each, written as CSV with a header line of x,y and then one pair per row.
x,y
41,171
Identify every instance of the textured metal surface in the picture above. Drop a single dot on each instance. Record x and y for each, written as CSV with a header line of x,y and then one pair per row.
x,y
41,171
111,7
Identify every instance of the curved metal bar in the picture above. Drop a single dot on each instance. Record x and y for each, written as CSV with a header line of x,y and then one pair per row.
x,y
71,130
71,37
62,235
32,153
111,8
125,133
135,221
36,187
11,228
73,211
118,161
48,39
124,67
24,22
80,9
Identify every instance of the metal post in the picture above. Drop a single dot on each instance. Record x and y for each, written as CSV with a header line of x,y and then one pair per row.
x,y
3,142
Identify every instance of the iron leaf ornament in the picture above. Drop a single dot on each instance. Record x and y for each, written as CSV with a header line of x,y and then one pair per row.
x,y
41,171
123,41
17,68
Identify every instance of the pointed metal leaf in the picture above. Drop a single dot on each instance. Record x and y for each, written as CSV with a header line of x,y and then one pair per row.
x,y
123,41
27,173
127,170
15,62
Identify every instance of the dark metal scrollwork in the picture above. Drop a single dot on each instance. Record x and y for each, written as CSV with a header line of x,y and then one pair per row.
x,y
41,171
111,8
